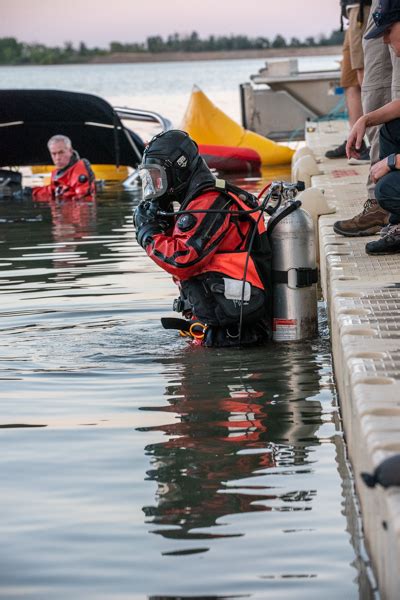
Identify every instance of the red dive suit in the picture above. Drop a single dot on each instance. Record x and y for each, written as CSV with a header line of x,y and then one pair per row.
x,y
76,180
209,256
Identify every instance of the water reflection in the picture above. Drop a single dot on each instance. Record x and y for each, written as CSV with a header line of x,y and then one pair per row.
x,y
238,417
74,219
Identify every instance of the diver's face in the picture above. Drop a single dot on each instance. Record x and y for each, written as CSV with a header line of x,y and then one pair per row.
x,y
60,153
392,37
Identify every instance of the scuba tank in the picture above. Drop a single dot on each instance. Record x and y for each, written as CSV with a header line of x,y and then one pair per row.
x,y
294,268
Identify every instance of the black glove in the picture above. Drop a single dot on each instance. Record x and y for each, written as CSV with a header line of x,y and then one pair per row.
x,y
147,222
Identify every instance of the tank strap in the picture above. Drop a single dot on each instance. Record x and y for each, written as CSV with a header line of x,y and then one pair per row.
x,y
280,216
226,189
304,277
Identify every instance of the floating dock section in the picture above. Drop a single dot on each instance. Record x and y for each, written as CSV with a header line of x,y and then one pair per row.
x,y
362,293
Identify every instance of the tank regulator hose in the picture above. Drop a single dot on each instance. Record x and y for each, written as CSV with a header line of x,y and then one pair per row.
x,y
286,211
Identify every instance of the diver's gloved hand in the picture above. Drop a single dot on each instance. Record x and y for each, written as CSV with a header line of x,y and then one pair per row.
x,y
147,222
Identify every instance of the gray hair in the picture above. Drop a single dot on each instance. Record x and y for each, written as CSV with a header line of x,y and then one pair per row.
x,y
59,138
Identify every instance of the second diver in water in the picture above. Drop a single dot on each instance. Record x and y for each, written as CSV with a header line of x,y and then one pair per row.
x,y
215,245
72,178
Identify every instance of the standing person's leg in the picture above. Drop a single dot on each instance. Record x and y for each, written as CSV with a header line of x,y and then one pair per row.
x,y
376,92
356,35
353,102
395,75
352,91
356,32
377,86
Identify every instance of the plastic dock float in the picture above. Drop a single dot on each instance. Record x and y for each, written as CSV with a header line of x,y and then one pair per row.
x,y
362,294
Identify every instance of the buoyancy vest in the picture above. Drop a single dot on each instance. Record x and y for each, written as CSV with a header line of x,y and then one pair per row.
x,y
233,262
76,180
205,251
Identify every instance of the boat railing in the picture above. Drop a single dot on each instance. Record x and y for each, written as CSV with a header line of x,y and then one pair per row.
x,y
146,116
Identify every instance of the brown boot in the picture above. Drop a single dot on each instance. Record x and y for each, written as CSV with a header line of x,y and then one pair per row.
x,y
369,221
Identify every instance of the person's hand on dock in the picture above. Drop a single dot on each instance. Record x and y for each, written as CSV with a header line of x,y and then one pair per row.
x,y
355,138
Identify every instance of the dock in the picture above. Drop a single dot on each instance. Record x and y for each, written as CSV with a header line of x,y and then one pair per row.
x,y
362,295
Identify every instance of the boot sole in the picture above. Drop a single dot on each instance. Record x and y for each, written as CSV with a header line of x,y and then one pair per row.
x,y
383,252
358,233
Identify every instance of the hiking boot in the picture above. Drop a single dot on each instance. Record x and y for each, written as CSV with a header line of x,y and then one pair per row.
x,y
368,222
363,158
389,244
339,152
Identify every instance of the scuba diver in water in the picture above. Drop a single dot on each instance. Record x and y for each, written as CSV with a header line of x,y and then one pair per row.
x,y
215,246
73,177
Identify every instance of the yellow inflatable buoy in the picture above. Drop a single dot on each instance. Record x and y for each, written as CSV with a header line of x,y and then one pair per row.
x,y
207,124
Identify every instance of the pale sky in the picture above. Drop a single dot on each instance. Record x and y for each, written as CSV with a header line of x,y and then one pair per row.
x,y
97,22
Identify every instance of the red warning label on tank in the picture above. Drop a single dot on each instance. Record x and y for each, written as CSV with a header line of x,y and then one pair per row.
x,y
284,330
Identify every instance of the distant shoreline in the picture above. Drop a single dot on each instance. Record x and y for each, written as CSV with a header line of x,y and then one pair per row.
x,y
151,57
156,57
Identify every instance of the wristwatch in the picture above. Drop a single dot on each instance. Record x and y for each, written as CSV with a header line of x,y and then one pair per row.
x,y
391,162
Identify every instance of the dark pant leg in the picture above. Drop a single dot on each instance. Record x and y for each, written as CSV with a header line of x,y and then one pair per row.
x,y
387,193
387,190
389,138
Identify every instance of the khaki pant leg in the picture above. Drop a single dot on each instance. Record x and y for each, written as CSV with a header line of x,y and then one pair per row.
x,y
356,33
395,76
348,75
377,86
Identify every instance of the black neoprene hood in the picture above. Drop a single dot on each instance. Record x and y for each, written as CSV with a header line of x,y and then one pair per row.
x,y
177,153
170,145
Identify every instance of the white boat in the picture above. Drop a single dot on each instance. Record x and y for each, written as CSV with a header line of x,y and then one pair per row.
x,y
280,98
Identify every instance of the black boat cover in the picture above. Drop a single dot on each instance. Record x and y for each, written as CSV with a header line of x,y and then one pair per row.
x,y
28,118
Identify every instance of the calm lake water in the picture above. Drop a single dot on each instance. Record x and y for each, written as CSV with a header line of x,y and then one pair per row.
x,y
134,466
162,87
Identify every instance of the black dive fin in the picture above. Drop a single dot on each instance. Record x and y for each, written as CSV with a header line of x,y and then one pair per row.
x,y
175,323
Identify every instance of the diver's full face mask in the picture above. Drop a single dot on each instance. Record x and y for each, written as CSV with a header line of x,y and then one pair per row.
x,y
154,181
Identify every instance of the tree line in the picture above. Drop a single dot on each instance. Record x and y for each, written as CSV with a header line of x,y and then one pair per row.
x,y
13,52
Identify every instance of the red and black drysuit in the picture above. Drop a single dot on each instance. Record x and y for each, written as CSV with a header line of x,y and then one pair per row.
x,y
76,180
203,250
